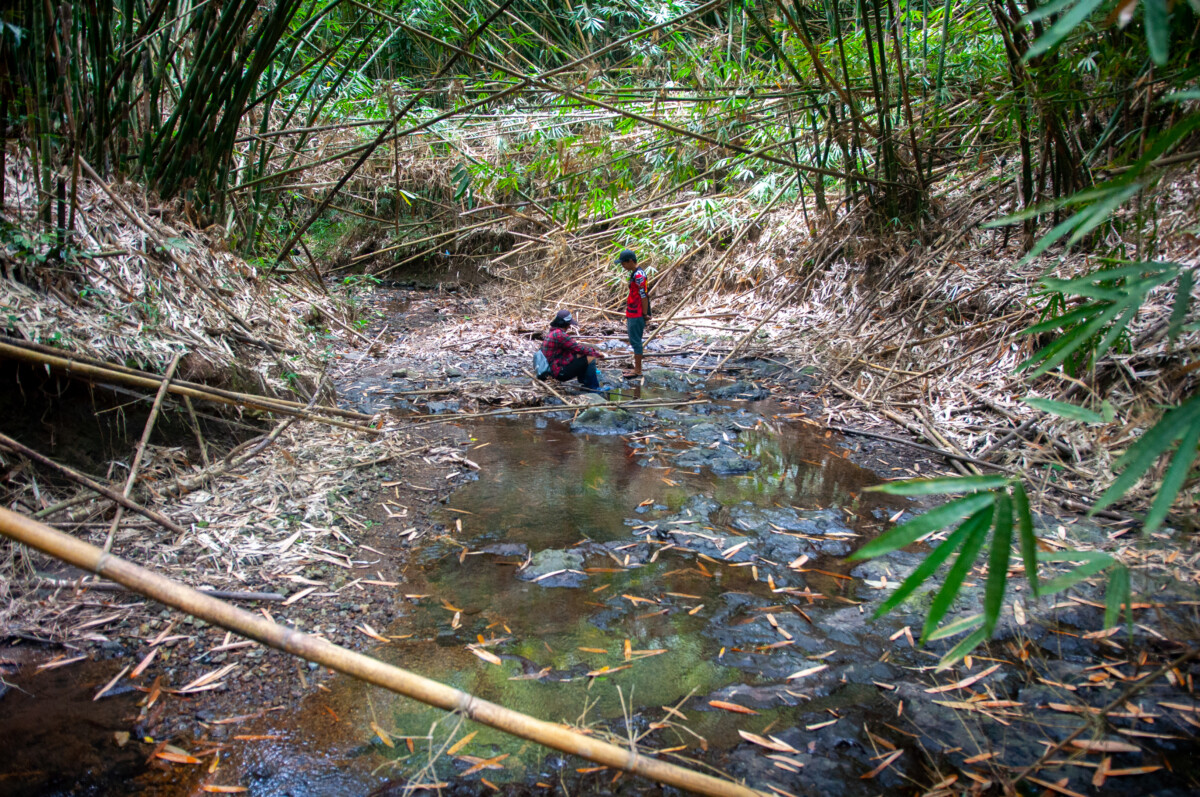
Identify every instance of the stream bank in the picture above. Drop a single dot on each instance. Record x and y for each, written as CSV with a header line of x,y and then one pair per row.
x,y
673,574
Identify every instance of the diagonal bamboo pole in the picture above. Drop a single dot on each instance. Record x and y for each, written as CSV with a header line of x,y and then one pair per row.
x,y
75,368
91,484
146,582
141,448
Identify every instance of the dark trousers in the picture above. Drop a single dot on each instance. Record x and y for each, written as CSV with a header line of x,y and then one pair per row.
x,y
580,369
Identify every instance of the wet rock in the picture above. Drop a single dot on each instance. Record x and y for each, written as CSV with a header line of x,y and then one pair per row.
x,y
594,399
705,431
507,549
453,372
440,407
740,390
670,380
895,565
555,568
723,460
604,420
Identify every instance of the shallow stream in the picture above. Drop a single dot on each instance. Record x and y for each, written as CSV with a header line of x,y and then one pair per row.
x,y
615,582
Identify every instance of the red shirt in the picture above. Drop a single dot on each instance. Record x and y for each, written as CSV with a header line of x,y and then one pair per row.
x,y
636,306
560,349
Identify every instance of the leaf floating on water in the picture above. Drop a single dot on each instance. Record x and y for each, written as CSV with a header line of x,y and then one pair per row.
x,y
1105,746
111,683
488,656
771,744
965,682
176,758
371,632
608,670
461,743
731,707
884,764
808,672
383,736
483,763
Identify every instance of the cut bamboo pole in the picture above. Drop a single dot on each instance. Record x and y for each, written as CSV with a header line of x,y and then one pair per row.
x,y
104,374
185,599
141,449
320,409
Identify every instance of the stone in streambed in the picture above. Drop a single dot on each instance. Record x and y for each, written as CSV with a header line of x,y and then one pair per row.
x,y
604,420
566,566
723,460
740,390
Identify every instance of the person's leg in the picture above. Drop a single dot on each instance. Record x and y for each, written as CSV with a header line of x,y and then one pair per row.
x,y
573,370
590,378
636,327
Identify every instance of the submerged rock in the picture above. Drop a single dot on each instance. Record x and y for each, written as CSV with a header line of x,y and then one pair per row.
x,y
555,568
670,380
723,460
604,420
740,390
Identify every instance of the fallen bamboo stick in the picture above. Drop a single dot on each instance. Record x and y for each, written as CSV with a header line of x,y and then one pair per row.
x,y
91,484
185,599
105,374
141,449
424,420
29,345
45,582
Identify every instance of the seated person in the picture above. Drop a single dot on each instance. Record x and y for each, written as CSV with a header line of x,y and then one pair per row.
x,y
569,359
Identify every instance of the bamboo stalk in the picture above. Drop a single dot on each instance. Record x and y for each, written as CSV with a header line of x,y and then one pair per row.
x,y
164,590
91,484
141,448
109,375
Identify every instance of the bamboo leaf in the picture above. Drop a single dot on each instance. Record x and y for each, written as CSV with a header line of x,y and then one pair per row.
x,y
1101,211
956,627
940,486
1054,354
1183,298
1174,478
963,648
1065,320
1026,537
923,571
934,519
1158,30
1153,444
1093,562
1117,593
997,580
1064,410
1062,28
978,525
1041,13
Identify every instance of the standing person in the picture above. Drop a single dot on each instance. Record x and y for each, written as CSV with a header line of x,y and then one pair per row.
x,y
569,359
637,309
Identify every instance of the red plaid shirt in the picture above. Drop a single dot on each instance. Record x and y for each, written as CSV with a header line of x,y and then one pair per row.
x,y
560,349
